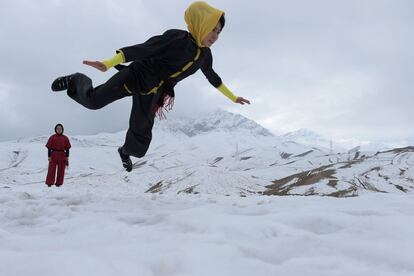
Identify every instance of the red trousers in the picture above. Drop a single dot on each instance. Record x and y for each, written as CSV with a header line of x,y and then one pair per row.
x,y
50,179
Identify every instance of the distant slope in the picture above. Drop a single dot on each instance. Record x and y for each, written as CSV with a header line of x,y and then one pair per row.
x,y
221,153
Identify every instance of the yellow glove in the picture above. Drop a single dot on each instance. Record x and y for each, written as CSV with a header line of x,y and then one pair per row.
x,y
226,92
115,60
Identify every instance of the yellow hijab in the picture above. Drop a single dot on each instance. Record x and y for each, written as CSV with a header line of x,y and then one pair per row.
x,y
201,18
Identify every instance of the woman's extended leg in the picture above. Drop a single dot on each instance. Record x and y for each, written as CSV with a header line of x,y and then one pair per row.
x,y
141,121
139,134
81,90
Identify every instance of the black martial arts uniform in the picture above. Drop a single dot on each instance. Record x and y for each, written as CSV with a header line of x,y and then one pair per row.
x,y
157,66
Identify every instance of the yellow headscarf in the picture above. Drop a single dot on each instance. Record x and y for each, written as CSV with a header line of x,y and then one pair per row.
x,y
201,18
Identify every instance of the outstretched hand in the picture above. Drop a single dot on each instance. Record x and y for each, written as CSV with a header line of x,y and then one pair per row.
x,y
242,100
96,64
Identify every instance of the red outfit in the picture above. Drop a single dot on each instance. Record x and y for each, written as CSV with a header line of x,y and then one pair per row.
x,y
58,145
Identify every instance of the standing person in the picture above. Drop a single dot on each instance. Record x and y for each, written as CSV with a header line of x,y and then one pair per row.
x,y
58,147
157,65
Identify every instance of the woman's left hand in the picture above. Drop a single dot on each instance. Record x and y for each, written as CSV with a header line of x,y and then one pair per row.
x,y
242,100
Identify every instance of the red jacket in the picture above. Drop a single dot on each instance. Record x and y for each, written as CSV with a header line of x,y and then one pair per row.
x,y
58,144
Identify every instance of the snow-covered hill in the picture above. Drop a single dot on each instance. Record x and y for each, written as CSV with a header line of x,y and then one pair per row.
x,y
307,137
197,204
311,138
221,153
218,121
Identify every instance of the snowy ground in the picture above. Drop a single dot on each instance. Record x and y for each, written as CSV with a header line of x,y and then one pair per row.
x,y
207,217
114,229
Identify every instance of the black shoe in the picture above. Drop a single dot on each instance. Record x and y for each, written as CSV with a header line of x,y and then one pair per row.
x,y
61,83
126,160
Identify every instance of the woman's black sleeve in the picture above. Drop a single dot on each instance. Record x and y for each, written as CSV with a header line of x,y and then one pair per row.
x,y
207,69
152,47
120,67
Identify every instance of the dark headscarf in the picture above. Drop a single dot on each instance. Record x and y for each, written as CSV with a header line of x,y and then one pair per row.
x,y
57,126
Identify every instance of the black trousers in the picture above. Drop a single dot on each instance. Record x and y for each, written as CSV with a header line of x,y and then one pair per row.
x,y
141,121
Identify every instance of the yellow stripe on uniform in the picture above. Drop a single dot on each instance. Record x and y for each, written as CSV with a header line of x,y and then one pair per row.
x,y
188,65
127,89
155,89
176,74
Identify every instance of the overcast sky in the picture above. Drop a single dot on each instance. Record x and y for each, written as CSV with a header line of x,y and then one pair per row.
x,y
341,68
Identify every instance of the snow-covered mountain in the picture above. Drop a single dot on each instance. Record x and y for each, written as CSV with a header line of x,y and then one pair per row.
x,y
217,121
308,137
311,138
305,134
220,153
206,200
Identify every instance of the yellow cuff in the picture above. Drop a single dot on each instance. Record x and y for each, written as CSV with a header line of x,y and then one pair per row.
x,y
226,92
115,60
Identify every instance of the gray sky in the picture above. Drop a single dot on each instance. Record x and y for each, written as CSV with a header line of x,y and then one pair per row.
x,y
341,68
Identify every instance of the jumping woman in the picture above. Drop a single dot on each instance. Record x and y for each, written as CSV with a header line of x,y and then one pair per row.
x,y
156,66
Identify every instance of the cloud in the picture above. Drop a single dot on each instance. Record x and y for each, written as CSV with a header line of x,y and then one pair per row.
x,y
342,68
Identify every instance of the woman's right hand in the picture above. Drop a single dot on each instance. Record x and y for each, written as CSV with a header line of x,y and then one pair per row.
x,y
49,158
96,64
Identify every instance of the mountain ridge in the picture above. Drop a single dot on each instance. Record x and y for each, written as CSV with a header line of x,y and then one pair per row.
x,y
217,160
